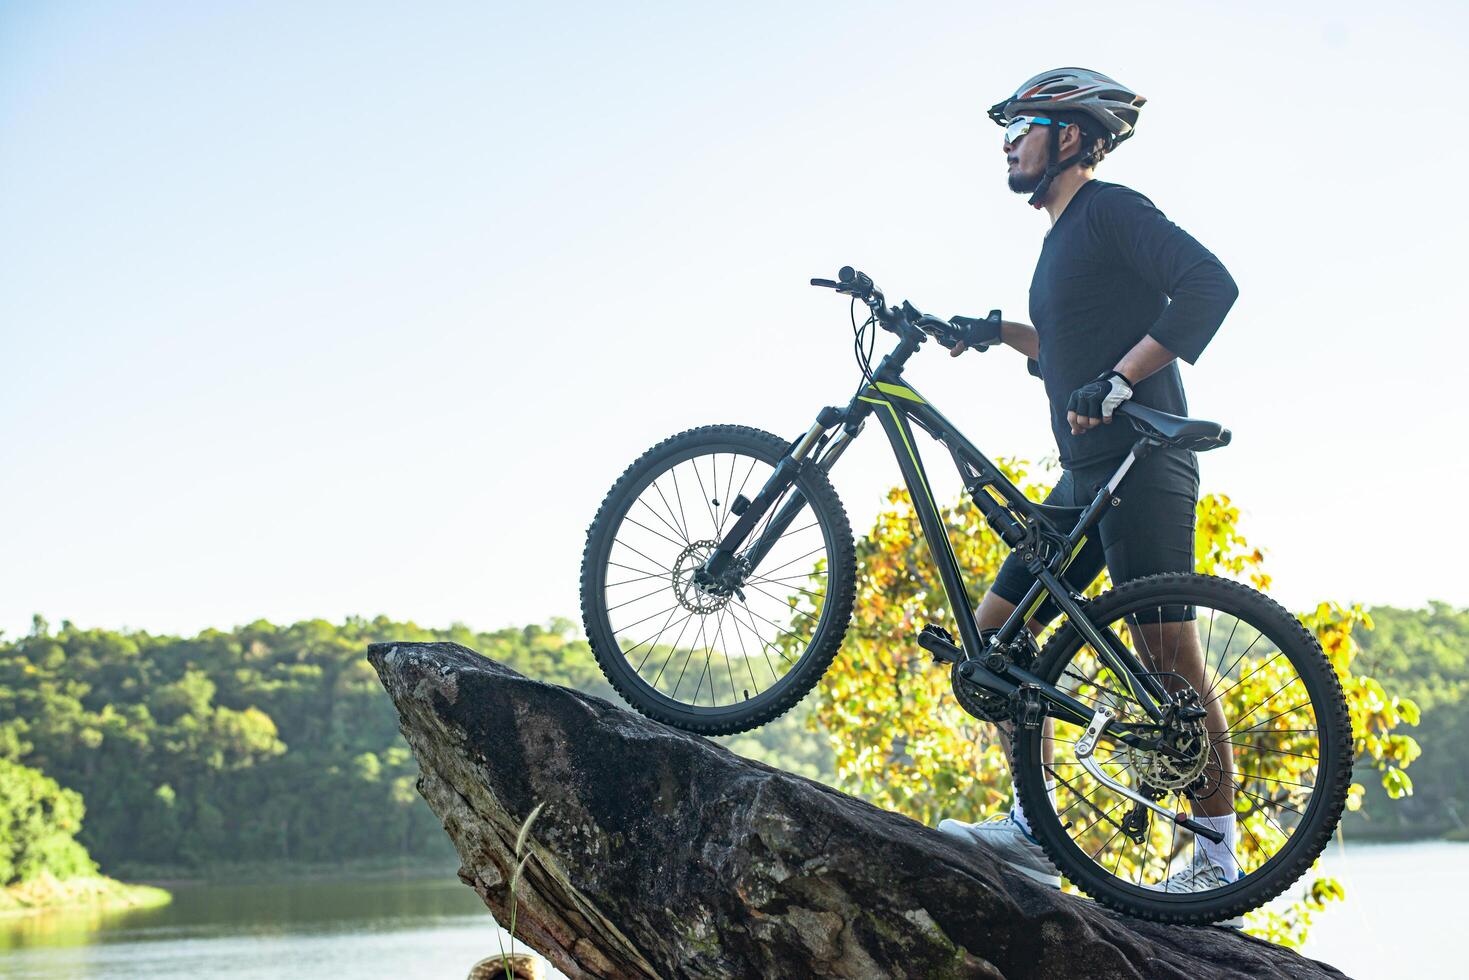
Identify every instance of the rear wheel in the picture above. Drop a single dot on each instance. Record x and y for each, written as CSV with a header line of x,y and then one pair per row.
x,y
1275,751
715,661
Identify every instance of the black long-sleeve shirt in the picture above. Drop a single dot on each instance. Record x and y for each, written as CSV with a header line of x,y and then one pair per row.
x,y
1112,270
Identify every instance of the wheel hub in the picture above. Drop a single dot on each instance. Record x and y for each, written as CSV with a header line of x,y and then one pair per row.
x,y
693,593
1177,760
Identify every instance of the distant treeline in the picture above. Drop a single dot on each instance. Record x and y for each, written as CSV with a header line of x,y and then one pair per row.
x,y
1422,654
276,743
263,743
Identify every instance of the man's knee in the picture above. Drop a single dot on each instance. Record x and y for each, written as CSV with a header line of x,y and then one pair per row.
x,y
994,609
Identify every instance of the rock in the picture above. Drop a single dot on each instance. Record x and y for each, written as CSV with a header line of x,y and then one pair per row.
x,y
512,966
661,854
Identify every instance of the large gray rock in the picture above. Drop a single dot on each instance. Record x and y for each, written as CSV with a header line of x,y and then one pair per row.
x,y
660,854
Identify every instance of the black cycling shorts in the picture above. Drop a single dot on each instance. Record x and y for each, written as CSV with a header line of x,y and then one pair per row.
x,y
1151,531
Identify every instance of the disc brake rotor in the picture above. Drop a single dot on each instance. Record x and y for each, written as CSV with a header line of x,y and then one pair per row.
x,y
1176,770
693,596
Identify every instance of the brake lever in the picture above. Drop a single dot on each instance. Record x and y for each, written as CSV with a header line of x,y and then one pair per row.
x,y
935,326
828,283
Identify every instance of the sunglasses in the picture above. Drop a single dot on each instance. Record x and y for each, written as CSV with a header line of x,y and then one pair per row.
x,y
1020,125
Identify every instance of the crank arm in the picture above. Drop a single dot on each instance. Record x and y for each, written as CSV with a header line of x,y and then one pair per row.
x,y
1087,744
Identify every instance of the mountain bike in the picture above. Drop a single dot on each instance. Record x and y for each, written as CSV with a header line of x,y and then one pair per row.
x,y
719,577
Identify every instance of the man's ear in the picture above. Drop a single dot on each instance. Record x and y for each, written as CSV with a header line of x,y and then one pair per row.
x,y
1070,140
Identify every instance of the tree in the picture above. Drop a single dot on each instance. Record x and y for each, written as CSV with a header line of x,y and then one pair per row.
x,y
38,823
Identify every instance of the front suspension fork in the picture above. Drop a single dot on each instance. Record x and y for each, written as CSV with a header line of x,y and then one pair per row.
x,y
815,439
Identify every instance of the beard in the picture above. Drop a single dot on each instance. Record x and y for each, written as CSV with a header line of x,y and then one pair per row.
x,y
1024,183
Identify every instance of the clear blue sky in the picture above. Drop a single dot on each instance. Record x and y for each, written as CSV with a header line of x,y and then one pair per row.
x,y
346,308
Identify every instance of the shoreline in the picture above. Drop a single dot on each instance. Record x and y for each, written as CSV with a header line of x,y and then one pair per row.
x,y
89,893
257,872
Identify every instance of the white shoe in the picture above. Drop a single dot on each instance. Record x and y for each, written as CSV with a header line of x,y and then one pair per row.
x,y
1010,843
1199,876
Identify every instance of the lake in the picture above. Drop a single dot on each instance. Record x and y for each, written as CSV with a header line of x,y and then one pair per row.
x,y
1400,919
379,927
1402,913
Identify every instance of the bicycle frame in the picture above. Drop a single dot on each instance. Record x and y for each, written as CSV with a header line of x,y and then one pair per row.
x,y
1023,525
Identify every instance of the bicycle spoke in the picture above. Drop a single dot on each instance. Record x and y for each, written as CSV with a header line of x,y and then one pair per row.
x,y
1235,730
1263,748
685,528
745,654
673,612
649,508
672,650
640,598
808,554
660,534
708,505
646,618
798,612
613,564
640,578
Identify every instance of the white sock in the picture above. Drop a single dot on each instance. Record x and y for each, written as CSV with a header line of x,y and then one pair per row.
x,y
1017,813
1220,855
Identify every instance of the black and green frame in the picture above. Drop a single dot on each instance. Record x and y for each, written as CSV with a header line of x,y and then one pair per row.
x,y
1036,531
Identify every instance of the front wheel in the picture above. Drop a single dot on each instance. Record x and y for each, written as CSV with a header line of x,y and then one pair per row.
x,y
1267,763
715,661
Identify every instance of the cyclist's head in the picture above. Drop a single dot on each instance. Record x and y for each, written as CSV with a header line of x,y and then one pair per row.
x,y
1079,114
1028,146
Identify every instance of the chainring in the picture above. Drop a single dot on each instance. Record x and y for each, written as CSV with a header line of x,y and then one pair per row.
x,y
982,704
976,700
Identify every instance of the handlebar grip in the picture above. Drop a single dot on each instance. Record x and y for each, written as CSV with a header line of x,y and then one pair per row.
x,y
1224,436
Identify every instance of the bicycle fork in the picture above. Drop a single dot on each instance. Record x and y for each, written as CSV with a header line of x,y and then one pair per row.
x,y
720,569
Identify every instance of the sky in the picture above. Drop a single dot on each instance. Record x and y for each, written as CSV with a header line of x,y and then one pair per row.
x,y
330,309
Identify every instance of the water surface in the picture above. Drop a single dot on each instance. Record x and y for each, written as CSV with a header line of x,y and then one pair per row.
x,y
1401,919
393,927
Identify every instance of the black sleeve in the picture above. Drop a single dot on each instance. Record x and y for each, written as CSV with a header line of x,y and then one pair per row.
x,y
1199,288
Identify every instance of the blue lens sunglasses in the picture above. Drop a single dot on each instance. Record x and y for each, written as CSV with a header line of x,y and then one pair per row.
x,y
1020,125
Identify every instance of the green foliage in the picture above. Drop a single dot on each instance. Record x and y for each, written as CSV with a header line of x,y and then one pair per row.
x,y
38,823
261,743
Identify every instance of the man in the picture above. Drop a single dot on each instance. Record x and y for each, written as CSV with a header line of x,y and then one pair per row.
x,y
1119,294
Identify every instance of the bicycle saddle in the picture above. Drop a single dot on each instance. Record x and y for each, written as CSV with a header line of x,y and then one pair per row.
x,y
1175,430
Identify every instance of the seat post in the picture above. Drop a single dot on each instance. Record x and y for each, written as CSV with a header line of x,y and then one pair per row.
x,y
1106,494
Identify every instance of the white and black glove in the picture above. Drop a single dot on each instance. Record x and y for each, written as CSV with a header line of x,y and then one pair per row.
x,y
1097,399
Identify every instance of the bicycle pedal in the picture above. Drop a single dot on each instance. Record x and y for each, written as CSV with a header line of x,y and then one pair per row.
x,y
1027,706
940,643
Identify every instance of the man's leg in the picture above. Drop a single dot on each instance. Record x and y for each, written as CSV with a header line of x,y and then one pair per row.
x,y
993,610
1175,647
1007,837
1152,532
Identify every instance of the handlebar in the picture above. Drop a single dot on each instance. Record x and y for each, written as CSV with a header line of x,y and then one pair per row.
x,y
905,320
